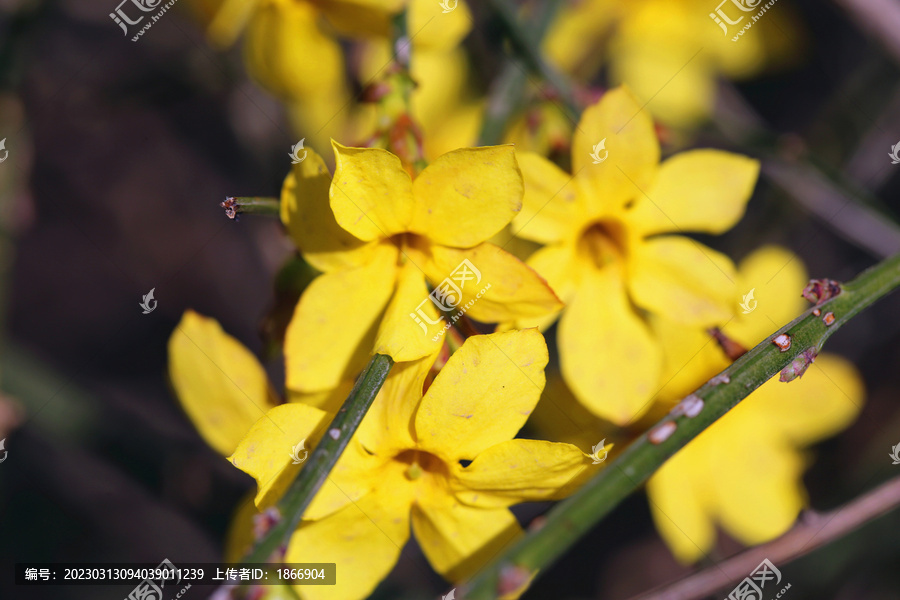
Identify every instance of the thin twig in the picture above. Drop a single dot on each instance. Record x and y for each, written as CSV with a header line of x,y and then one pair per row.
x,y
569,520
255,205
813,531
878,18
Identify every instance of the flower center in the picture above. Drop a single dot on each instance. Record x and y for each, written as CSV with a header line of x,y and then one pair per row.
x,y
419,464
604,242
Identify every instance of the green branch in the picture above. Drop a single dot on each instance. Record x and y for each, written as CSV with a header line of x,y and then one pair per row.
x,y
528,45
315,472
251,205
508,91
572,518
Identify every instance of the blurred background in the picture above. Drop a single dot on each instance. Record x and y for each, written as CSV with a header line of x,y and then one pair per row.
x,y
119,154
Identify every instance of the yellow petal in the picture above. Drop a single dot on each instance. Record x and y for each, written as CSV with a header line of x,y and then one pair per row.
x,y
607,355
826,400
559,265
338,312
468,195
221,385
631,144
361,17
700,190
759,491
461,539
388,427
329,400
306,212
364,540
371,194
681,495
522,471
229,20
483,395
683,280
265,452
410,328
775,277
432,28
502,287
550,208
289,55
573,42
681,100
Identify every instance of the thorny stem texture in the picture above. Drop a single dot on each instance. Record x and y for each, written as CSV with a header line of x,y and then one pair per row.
x,y
572,518
314,473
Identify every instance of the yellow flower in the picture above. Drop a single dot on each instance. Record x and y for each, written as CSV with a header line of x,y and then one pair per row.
x,y
378,235
745,472
605,257
293,50
670,52
405,467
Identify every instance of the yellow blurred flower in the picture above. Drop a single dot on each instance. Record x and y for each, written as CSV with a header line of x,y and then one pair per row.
x,y
605,257
668,51
378,235
745,472
404,466
293,49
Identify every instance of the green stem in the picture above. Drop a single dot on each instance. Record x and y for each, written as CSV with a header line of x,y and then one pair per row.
x,y
572,518
251,205
508,92
314,473
528,46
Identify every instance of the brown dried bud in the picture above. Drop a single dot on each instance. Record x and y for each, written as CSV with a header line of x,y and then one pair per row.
x,y
820,290
799,365
732,349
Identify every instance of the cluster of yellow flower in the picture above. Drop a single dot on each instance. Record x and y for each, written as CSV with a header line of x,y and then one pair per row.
x,y
635,299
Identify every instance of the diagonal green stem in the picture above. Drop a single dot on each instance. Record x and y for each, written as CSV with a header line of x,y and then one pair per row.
x,y
314,473
527,45
508,91
572,518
